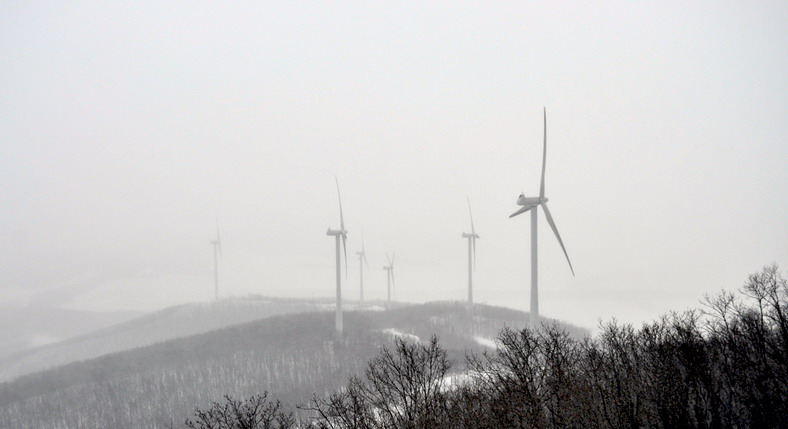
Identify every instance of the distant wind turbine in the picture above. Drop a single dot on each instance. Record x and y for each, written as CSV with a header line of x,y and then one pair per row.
x,y
471,254
217,250
341,232
532,203
389,276
362,259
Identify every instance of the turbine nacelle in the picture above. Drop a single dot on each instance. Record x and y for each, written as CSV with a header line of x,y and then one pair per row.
x,y
522,200
336,232
467,235
362,255
390,266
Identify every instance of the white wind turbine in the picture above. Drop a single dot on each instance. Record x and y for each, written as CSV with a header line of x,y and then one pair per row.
x,y
341,232
217,250
532,204
389,276
471,254
362,259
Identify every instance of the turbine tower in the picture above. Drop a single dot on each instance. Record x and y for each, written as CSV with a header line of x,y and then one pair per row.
x,y
362,259
471,254
389,276
341,232
533,203
217,250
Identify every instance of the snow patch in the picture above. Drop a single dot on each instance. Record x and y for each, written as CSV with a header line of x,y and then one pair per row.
x,y
461,379
350,306
486,342
452,381
395,333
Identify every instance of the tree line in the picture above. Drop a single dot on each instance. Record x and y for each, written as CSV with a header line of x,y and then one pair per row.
x,y
724,365
291,355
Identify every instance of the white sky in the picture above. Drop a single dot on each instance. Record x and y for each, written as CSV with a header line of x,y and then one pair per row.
x,y
126,126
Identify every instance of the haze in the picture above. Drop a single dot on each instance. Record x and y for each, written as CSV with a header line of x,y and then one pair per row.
x,y
126,128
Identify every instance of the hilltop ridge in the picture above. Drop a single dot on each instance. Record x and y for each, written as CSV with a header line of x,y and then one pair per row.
x,y
290,355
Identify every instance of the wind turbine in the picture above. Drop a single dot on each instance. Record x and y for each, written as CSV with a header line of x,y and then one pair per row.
x,y
362,258
389,275
471,254
217,250
533,203
341,232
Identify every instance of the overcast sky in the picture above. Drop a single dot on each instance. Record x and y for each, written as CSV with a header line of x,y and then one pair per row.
x,y
126,127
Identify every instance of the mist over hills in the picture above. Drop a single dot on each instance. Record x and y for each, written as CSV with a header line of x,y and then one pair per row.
x,y
292,356
172,322
30,327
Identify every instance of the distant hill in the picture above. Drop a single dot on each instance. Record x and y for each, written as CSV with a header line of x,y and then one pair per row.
x,y
124,334
291,356
28,327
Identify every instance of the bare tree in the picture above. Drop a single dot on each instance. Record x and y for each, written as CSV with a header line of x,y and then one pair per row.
x,y
403,388
726,366
255,412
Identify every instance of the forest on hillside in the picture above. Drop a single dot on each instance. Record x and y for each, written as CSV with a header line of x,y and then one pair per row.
x,y
292,356
724,365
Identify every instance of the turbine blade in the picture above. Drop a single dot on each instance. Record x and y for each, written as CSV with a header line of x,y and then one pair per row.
x,y
344,247
387,258
521,211
363,250
218,237
342,225
341,217
558,236
544,154
393,255
473,230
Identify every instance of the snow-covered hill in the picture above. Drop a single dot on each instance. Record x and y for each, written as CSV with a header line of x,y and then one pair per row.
x,y
170,323
292,356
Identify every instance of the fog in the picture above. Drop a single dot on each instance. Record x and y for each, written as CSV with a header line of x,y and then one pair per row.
x,y
127,129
